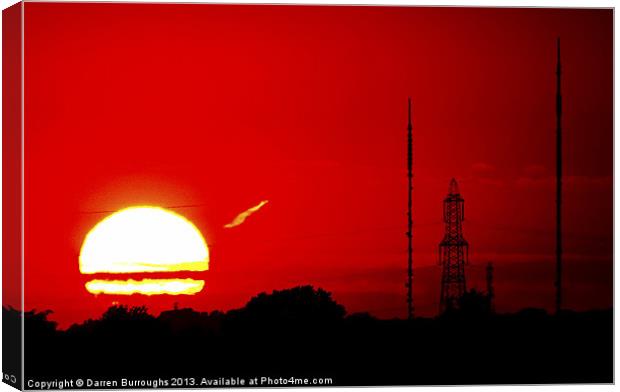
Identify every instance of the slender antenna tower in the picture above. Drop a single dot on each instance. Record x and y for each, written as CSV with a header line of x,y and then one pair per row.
x,y
558,189
409,283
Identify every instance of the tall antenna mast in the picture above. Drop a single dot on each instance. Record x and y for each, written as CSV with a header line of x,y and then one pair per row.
x,y
409,283
558,189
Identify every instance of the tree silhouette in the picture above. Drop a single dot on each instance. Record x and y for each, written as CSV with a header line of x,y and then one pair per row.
x,y
475,303
298,304
123,313
303,331
37,324
472,304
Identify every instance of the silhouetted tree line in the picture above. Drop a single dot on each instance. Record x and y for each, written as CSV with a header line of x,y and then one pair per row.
x,y
303,332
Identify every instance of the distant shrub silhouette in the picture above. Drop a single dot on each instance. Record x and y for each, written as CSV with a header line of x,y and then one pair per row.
x,y
124,313
303,331
298,304
475,303
532,313
190,322
38,324
361,317
120,323
472,304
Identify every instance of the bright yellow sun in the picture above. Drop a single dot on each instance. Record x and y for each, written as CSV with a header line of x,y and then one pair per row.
x,y
140,240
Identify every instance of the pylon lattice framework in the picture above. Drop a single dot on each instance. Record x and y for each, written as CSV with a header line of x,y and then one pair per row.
x,y
453,250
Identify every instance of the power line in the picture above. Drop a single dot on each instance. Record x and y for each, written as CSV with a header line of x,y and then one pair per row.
x,y
166,207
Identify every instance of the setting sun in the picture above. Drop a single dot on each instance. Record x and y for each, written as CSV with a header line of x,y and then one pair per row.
x,y
146,286
141,240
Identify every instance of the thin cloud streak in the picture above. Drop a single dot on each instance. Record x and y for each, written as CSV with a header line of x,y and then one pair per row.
x,y
239,219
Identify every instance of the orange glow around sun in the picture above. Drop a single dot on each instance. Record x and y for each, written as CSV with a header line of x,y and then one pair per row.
x,y
141,240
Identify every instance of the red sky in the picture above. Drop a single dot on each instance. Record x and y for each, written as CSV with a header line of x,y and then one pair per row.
x,y
224,106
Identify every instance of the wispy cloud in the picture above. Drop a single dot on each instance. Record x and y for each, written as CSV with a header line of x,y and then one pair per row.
x,y
485,174
239,219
